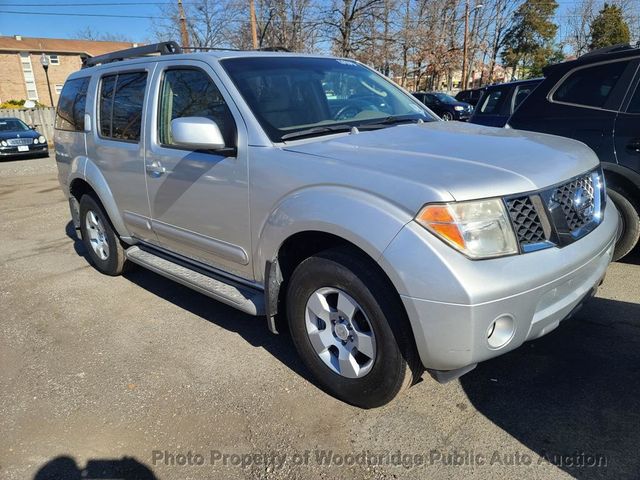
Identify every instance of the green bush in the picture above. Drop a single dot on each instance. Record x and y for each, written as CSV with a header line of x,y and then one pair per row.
x,y
17,104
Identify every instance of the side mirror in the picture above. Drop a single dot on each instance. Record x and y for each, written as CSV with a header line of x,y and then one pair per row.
x,y
197,133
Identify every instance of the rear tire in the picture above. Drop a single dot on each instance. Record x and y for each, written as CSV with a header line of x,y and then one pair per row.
x,y
102,243
630,218
395,364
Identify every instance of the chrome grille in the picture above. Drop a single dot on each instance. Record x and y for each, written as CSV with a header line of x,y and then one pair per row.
x,y
526,221
19,141
577,202
559,215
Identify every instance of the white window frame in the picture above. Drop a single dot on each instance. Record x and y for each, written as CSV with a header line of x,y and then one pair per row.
x,y
58,88
54,59
28,75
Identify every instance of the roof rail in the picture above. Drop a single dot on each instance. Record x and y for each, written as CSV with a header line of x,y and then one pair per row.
x,y
163,48
611,49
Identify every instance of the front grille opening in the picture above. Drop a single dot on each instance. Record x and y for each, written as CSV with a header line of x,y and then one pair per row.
x,y
576,199
526,221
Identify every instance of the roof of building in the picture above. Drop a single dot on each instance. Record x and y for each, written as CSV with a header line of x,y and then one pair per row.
x,y
92,48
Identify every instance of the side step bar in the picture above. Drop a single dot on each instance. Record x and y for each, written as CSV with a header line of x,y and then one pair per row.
x,y
243,298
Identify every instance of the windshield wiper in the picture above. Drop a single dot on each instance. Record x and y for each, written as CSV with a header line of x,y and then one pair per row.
x,y
385,122
310,132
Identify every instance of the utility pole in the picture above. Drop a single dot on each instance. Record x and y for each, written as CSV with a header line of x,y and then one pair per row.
x,y
463,80
254,29
183,27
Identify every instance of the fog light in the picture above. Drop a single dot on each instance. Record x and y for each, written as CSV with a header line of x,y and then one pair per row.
x,y
500,331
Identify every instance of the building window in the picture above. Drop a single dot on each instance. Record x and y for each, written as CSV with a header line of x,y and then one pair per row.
x,y
54,60
58,88
29,79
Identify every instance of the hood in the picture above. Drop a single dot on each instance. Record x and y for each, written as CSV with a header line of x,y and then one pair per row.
x,y
19,134
467,161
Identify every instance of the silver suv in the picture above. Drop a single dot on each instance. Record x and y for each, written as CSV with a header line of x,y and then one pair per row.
x,y
312,187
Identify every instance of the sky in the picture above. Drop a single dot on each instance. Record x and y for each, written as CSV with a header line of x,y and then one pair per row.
x,y
133,21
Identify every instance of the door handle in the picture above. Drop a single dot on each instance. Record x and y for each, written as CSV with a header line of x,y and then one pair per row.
x,y
155,169
634,145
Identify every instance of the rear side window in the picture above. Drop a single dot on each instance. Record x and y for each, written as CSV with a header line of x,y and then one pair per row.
x,y
590,86
492,102
121,104
70,111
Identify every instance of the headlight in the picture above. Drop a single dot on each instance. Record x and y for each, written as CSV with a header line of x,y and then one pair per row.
x,y
3,143
35,141
41,139
479,229
458,108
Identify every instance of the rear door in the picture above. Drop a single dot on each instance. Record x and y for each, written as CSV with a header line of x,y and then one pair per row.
x,y
116,143
627,128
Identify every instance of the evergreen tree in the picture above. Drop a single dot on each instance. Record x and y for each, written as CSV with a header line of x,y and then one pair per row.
x,y
529,43
609,28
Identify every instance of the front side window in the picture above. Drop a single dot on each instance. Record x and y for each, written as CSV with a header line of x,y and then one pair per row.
x,y
590,86
521,93
121,105
71,106
291,95
492,102
190,92
634,105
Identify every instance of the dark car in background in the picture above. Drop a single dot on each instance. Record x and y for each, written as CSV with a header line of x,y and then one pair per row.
x,y
596,99
499,101
18,139
471,96
445,106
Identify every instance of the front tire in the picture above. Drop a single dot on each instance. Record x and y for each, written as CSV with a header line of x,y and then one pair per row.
x,y
447,117
350,328
102,243
630,218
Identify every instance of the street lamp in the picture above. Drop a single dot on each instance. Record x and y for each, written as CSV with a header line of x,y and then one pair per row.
x,y
463,82
44,60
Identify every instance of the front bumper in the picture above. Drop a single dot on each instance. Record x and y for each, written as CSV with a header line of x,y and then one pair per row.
x,y
12,151
452,301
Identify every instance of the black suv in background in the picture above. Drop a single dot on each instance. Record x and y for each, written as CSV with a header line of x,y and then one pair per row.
x,y
596,99
499,101
445,106
470,96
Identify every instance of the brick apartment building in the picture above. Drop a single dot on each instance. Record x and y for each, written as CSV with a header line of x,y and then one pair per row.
x,y
22,76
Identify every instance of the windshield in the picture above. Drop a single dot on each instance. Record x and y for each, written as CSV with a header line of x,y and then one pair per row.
x,y
12,124
315,96
444,98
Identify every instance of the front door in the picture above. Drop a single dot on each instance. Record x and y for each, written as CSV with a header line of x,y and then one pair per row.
x,y
199,199
627,131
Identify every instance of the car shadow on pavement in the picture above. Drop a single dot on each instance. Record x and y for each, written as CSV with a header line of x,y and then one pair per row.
x,y
573,393
64,467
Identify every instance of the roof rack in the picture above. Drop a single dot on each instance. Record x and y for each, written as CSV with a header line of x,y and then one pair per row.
x,y
611,49
163,48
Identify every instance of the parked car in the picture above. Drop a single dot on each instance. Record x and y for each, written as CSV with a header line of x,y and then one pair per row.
x,y
470,96
445,106
388,241
596,100
499,101
17,139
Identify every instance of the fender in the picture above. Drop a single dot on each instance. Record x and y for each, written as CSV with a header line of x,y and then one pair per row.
x,y
624,172
94,177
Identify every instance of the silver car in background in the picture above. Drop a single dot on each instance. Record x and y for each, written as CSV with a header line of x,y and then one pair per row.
x,y
314,190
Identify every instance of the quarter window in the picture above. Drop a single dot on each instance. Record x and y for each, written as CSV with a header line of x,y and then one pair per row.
x,y
121,105
192,93
71,106
591,86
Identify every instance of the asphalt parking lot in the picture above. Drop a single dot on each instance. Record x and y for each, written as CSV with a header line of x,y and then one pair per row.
x,y
137,377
